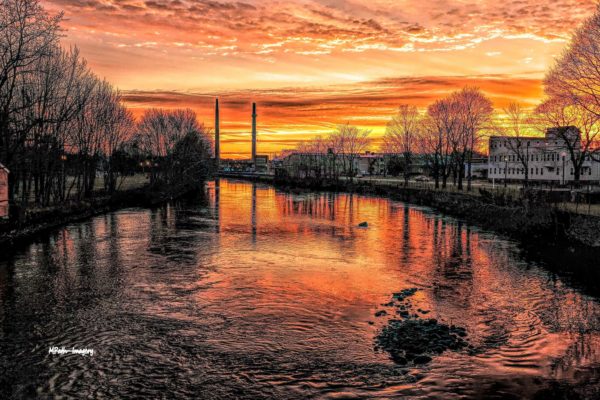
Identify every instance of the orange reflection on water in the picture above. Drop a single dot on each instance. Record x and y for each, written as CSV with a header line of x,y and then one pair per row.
x,y
276,291
299,252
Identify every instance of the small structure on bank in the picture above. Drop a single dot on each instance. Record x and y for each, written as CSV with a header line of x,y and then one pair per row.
x,y
3,191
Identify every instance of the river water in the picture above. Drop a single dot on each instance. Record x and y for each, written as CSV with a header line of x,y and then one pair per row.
x,y
249,292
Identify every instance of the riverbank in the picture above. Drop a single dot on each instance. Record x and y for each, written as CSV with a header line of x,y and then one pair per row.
x,y
532,218
42,220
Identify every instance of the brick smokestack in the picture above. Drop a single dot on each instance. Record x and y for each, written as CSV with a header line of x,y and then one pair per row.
x,y
254,134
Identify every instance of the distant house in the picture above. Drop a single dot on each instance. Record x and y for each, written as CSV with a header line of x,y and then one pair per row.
x,y
3,191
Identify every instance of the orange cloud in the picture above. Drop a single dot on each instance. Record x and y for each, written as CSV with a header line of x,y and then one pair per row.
x,y
312,64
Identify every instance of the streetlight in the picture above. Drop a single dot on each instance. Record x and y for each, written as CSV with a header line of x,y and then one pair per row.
x,y
563,155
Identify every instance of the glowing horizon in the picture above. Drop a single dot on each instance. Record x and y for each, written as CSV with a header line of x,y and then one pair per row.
x,y
313,64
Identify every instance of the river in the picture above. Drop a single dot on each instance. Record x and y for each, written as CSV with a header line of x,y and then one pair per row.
x,y
249,292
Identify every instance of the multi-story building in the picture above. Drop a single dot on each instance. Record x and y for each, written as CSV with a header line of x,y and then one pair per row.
x,y
547,159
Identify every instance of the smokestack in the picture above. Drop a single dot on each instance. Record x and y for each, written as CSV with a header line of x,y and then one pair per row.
x,y
254,134
217,139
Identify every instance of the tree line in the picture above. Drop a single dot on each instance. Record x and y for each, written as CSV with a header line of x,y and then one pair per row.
x,y
447,135
62,127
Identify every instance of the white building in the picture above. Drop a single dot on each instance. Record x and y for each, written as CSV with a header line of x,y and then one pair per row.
x,y
547,158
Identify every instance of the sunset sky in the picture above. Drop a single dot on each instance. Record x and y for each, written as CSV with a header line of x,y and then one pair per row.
x,y
312,64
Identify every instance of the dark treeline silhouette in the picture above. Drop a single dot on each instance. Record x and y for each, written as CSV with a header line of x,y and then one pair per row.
x,y
62,127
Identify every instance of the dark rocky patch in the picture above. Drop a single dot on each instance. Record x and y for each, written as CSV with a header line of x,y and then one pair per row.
x,y
415,340
403,294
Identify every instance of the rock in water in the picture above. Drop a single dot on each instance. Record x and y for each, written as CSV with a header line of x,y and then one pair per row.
x,y
415,340
422,359
363,225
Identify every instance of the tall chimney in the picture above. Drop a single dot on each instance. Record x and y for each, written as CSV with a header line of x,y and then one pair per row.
x,y
254,134
217,138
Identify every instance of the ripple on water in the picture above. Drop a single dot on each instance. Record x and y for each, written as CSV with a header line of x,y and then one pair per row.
x,y
262,294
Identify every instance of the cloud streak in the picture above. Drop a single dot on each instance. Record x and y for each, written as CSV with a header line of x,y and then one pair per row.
x,y
312,27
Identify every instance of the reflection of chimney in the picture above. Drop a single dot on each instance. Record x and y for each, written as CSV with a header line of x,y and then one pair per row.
x,y
217,139
254,133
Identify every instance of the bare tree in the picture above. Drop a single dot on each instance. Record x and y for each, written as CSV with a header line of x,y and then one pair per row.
x,y
118,130
574,93
349,141
515,125
562,114
474,110
575,75
401,135
27,33
439,137
159,131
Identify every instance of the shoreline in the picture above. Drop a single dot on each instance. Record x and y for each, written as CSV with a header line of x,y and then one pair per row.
x,y
545,236
59,216
518,219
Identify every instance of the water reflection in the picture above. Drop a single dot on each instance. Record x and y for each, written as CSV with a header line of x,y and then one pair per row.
x,y
254,293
